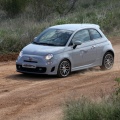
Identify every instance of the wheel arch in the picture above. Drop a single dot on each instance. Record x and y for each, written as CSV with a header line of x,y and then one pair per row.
x,y
58,72
109,51
67,60
102,65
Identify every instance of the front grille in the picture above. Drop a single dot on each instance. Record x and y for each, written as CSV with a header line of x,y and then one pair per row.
x,y
35,70
30,61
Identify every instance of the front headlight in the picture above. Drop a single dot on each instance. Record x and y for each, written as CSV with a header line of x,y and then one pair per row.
x,y
49,56
20,54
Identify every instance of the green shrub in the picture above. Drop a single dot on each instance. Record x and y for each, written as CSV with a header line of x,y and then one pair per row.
x,y
84,109
11,44
13,7
62,21
15,34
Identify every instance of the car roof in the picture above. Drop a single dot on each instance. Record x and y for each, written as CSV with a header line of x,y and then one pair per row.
x,y
75,27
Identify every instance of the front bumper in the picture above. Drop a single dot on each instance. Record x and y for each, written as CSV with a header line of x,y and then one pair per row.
x,y
41,66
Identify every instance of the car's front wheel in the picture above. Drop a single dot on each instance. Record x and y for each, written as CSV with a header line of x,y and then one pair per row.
x,y
64,68
108,61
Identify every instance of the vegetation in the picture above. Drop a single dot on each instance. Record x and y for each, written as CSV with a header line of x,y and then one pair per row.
x,y
13,7
21,21
118,86
87,110
84,109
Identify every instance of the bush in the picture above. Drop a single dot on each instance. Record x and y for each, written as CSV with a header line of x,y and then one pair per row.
x,y
17,33
86,110
13,7
11,44
44,8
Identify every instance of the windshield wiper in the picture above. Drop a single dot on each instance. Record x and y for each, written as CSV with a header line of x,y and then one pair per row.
x,y
50,44
36,43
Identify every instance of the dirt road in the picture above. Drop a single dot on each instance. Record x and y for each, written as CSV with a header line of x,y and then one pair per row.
x,y
31,97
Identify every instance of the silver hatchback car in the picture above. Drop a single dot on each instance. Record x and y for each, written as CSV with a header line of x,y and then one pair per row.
x,y
61,49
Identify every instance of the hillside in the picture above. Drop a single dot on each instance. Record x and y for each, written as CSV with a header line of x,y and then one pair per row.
x,y
20,23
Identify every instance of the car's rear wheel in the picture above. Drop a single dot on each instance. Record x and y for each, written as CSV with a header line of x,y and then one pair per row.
x,y
108,61
64,68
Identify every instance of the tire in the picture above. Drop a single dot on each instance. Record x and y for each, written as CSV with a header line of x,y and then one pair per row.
x,y
64,69
108,61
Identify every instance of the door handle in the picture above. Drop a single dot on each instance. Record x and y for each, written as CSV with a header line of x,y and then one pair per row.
x,y
93,46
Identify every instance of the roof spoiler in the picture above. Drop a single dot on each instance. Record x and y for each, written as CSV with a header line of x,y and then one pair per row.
x,y
95,25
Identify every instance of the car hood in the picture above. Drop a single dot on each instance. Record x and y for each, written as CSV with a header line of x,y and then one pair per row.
x,y
33,49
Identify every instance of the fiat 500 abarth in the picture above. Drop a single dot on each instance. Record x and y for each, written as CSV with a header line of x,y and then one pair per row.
x,y
61,49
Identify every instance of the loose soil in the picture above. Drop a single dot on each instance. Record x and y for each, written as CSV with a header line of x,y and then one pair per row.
x,y
38,97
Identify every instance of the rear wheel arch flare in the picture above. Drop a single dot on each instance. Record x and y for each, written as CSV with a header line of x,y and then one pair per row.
x,y
108,60
109,51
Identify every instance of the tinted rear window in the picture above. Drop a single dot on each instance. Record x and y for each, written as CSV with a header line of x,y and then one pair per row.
x,y
95,34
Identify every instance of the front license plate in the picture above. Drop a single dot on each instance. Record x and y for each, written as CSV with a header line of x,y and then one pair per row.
x,y
28,66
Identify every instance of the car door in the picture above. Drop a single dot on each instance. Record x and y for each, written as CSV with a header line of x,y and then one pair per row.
x,y
100,42
84,54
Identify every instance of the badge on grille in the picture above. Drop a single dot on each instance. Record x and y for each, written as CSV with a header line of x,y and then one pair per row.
x,y
30,59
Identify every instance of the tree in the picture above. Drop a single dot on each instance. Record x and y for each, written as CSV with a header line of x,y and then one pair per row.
x,y
13,7
63,7
43,8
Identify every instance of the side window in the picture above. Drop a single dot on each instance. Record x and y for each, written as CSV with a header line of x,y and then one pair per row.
x,y
82,35
95,34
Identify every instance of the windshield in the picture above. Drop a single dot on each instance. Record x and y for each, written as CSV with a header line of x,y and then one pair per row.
x,y
53,37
